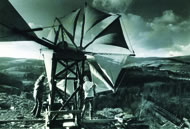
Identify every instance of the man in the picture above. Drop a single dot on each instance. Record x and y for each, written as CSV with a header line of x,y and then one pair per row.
x,y
38,95
89,93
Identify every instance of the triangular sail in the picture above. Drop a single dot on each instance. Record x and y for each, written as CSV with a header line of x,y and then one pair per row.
x,y
99,80
69,23
47,57
94,33
99,76
111,68
112,35
51,35
10,22
92,17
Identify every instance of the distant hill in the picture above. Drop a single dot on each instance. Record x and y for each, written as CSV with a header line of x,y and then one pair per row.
x,y
19,72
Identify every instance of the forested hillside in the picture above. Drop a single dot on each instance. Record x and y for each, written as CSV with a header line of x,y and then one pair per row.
x,y
19,73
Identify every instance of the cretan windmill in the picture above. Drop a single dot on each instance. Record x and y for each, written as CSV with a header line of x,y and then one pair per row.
x,y
74,47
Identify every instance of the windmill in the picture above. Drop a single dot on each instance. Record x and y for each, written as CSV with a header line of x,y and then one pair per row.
x,y
73,48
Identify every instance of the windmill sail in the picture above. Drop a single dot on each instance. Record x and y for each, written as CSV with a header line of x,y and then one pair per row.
x,y
111,35
69,23
47,57
11,22
93,17
105,71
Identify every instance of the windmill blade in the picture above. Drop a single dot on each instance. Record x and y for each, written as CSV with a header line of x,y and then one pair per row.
x,y
11,22
99,77
112,35
69,23
110,65
47,57
96,31
106,29
92,17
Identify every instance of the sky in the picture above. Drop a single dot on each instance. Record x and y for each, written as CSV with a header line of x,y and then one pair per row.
x,y
158,28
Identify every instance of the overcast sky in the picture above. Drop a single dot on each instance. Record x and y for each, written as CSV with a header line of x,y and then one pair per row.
x,y
155,27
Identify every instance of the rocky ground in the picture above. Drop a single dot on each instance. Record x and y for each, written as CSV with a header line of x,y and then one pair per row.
x,y
16,107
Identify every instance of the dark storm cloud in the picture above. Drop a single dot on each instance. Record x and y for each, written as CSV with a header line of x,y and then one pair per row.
x,y
116,6
155,8
144,8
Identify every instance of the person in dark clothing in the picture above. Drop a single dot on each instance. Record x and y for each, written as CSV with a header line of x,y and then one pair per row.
x,y
38,95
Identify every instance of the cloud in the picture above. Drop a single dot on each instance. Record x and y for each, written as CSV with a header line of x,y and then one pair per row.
x,y
162,36
112,5
167,17
20,49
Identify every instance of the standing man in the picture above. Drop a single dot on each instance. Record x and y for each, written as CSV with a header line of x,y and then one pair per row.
x,y
89,93
38,95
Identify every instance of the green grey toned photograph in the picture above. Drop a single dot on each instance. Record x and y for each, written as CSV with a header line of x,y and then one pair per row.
x,y
94,64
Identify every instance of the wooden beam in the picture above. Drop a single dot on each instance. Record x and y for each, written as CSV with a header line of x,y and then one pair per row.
x,y
36,39
67,68
66,111
67,101
36,121
98,121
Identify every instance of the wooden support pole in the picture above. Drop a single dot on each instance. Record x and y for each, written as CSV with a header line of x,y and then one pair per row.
x,y
53,82
35,121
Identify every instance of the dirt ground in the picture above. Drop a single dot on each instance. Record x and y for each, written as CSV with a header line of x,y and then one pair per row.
x,y
13,107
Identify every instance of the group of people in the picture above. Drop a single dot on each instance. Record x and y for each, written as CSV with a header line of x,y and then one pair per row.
x,y
89,93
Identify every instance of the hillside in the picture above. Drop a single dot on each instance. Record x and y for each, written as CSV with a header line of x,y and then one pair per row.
x,y
153,89
19,73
